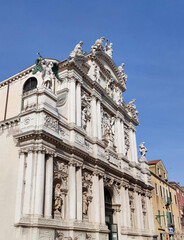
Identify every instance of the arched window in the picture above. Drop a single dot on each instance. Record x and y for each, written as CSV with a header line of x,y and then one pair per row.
x,y
30,84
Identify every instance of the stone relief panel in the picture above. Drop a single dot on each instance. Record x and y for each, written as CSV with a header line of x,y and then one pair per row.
x,y
45,234
85,109
86,192
51,123
64,133
132,208
127,139
60,188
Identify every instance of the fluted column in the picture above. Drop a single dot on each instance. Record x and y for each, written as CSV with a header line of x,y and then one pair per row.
x,y
28,183
102,201
79,193
40,178
49,187
94,117
78,103
20,187
72,191
99,129
72,102
95,215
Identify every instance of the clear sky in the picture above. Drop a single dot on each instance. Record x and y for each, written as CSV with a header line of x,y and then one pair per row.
x,y
147,35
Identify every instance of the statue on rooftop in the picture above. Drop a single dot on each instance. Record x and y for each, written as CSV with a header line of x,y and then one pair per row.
x,y
108,49
122,74
77,52
98,46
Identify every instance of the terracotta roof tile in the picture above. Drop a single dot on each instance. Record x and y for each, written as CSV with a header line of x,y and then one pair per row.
x,y
153,162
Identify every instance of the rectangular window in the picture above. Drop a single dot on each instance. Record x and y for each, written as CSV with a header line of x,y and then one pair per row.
x,y
159,218
156,190
170,196
169,219
161,191
164,194
175,199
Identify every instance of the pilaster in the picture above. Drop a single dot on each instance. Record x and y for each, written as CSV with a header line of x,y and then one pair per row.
x,y
78,104
72,99
72,190
93,117
49,187
79,193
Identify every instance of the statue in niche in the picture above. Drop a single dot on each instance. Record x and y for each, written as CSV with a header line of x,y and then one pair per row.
x,y
59,235
142,149
58,201
122,74
108,49
77,52
118,95
109,129
85,203
98,46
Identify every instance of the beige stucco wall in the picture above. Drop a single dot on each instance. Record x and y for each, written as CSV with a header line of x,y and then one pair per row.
x,y
8,182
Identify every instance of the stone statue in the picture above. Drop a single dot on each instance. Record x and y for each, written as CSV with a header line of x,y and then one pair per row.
x,y
86,109
58,201
98,46
77,52
47,73
60,235
142,150
85,203
122,74
132,109
108,49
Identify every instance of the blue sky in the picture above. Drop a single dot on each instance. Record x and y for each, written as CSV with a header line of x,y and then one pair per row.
x,y
148,35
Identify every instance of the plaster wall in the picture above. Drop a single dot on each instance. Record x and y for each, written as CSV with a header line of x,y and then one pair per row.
x,y
8,182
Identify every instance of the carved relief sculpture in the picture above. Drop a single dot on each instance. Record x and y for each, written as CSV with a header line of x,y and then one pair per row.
x,y
86,109
127,141
109,88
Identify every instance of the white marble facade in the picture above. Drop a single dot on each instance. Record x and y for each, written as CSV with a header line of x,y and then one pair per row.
x,y
79,172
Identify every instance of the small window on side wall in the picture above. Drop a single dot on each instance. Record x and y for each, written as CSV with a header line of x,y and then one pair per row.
x,y
30,84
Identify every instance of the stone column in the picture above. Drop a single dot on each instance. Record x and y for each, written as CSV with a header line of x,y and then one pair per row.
x,y
20,187
93,117
118,136
95,215
78,102
128,208
49,187
102,201
72,191
72,102
79,193
122,137
99,129
28,183
150,216
40,178
139,212
133,146
124,207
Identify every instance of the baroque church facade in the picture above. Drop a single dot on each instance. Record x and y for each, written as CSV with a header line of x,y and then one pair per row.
x,y
70,141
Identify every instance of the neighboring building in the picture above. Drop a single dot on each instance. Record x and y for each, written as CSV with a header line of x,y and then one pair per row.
x,y
180,199
69,165
165,204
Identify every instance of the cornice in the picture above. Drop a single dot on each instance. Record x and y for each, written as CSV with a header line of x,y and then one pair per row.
x,y
9,122
17,76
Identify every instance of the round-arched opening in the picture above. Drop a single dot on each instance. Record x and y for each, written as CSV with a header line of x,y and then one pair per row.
x,y
30,84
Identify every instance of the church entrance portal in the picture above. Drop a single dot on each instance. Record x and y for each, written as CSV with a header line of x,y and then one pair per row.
x,y
113,228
